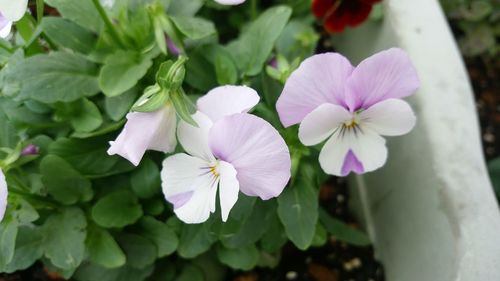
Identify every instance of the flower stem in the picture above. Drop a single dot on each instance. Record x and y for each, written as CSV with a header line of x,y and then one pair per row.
x,y
113,32
253,9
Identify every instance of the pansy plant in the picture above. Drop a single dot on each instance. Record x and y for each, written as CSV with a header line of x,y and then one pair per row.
x,y
230,151
351,108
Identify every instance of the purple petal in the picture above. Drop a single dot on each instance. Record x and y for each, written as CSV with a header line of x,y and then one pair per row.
x,y
351,164
30,149
319,79
227,100
172,47
256,150
3,195
385,75
143,131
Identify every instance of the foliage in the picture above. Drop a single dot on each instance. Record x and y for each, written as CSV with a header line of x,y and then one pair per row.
x,y
478,22
66,85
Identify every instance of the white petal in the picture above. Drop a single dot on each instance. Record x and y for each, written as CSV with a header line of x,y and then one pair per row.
x,y
230,2
229,188
189,178
13,10
5,31
370,149
367,146
193,139
3,195
143,131
333,153
392,117
226,100
318,125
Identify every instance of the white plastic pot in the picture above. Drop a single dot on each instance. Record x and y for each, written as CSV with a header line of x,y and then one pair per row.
x,y
430,211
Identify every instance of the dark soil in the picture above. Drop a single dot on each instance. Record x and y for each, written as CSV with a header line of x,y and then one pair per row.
x,y
336,261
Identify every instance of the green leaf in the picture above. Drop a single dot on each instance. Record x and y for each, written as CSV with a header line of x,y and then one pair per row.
x,y
194,28
225,68
275,237
195,239
69,35
82,13
200,72
117,209
64,238
342,231
103,249
165,239
29,248
298,211
117,107
57,76
87,118
121,71
320,236
63,182
8,234
89,156
248,230
140,251
252,49
184,8
244,258
145,179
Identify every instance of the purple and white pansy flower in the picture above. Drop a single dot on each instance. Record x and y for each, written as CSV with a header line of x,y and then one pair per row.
x,y
146,131
350,107
230,151
3,195
10,11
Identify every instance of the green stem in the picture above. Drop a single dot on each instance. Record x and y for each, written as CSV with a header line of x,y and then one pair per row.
x,y
39,10
108,23
253,9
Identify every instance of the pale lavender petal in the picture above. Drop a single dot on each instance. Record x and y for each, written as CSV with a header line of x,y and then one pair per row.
x,y
230,2
189,184
3,195
333,153
392,117
229,187
351,164
143,131
318,125
5,27
319,79
256,150
227,100
385,75
13,10
193,139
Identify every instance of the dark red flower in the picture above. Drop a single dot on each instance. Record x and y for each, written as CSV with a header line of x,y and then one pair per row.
x,y
337,14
